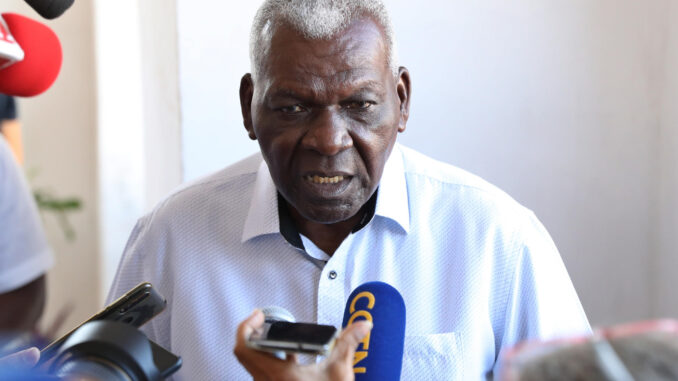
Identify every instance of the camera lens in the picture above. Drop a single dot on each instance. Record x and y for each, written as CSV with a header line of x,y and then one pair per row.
x,y
92,368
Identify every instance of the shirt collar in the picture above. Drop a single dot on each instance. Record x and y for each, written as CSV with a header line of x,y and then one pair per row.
x,y
393,202
262,217
265,212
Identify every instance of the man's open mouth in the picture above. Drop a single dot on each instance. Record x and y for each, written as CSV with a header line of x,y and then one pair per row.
x,y
324,179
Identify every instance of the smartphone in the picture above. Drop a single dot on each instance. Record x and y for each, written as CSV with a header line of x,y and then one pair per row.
x,y
135,308
315,339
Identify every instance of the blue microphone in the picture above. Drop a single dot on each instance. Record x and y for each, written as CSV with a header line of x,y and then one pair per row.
x,y
379,355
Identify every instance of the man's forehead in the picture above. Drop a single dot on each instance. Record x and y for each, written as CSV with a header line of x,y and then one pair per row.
x,y
355,57
314,87
361,40
360,27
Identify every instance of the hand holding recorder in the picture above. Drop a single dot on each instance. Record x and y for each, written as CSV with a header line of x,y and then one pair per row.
x,y
264,366
360,352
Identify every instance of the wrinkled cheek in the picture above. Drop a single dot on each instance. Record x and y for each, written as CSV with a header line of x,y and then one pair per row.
x,y
279,161
280,155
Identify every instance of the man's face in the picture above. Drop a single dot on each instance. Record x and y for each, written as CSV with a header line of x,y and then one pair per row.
x,y
326,114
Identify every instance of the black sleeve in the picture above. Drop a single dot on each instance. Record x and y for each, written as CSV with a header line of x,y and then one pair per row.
x,y
7,107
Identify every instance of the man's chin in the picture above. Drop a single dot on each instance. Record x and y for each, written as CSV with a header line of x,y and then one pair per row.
x,y
329,216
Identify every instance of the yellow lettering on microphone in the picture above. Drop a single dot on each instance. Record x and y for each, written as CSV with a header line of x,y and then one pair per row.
x,y
366,315
361,313
359,356
364,294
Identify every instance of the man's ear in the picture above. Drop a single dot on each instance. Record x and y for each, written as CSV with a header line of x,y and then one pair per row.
x,y
404,89
246,94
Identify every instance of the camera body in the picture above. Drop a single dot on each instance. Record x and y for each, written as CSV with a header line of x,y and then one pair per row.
x,y
110,350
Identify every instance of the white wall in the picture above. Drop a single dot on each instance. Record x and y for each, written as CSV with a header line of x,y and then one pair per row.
x,y
553,102
213,56
120,121
60,139
139,117
160,91
667,261
556,102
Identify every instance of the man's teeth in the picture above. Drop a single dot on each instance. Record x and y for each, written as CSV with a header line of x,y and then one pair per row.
x,y
324,180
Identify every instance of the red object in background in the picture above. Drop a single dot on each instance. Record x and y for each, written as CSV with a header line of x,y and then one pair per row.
x,y
42,58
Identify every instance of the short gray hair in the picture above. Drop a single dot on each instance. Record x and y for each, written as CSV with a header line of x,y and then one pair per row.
x,y
315,20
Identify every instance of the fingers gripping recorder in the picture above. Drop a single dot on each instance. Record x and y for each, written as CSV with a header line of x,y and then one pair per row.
x,y
379,355
281,334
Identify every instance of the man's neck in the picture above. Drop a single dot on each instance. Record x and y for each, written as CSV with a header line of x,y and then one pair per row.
x,y
327,237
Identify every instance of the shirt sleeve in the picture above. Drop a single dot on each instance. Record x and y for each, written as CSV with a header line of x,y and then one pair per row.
x,y
130,268
141,262
24,253
542,302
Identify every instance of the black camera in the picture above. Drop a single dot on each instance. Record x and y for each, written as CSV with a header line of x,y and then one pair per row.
x,y
103,351
108,350
108,346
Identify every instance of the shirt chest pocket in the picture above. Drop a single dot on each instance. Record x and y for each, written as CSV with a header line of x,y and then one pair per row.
x,y
433,357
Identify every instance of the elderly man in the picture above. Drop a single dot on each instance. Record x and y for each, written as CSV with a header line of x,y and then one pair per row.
x,y
332,202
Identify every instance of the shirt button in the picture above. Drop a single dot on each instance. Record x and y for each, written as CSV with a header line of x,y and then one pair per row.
x,y
332,274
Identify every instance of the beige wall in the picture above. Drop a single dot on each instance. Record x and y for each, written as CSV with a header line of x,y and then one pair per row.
x,y
107,132
666,265
60,140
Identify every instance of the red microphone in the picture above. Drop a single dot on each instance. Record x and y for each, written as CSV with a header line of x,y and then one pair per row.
x,y
40,66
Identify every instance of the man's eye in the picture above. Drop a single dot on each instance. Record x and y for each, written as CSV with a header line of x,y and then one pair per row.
x,y
294,109
359,105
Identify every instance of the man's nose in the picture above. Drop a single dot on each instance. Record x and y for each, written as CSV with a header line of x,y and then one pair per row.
x,y
328,133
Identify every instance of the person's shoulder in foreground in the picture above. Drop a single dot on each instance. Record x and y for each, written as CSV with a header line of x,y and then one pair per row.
x,y
25,256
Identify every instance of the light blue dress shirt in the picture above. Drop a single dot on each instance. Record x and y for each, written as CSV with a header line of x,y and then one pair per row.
x,y
477,271
24,253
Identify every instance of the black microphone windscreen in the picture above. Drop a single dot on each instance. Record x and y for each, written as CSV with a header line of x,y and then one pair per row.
x,y
50,9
